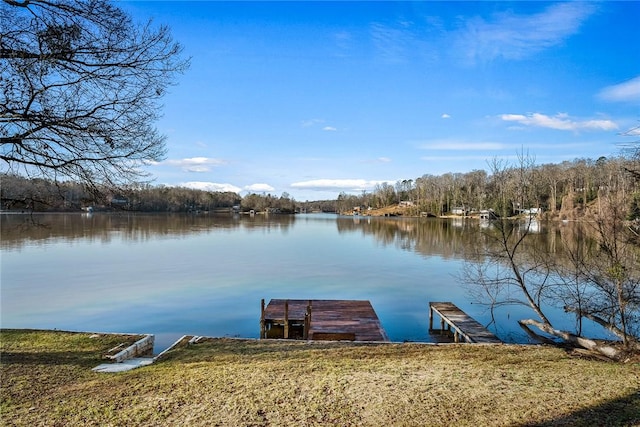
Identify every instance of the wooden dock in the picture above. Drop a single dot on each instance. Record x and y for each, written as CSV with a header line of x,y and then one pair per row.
x,y
460,324
321,320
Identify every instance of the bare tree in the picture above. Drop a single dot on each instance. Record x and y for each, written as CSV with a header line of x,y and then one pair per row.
x,y
599,281
499,186
508,272
632,149
80,90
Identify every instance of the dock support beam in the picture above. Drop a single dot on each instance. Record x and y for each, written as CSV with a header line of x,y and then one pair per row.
x,y
430,317
307,322
286,319
263,332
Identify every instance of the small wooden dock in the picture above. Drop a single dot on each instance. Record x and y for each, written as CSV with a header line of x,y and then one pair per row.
x,y
460,324
340,320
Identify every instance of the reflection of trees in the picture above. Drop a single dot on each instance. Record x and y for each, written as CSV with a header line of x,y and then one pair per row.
x,y
426,236
448,238
20,229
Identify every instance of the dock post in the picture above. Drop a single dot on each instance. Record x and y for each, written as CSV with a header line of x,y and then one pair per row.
x,y
430,318
262,331
307,322
441,325
286,319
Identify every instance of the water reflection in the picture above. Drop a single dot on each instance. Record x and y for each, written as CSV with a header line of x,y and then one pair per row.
x,y
461,238
448,238
205,274
18,230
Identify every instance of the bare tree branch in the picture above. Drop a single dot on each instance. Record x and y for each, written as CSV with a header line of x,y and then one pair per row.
x,y
81,90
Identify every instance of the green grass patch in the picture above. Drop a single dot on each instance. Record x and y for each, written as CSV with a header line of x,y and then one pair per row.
x,y
47,380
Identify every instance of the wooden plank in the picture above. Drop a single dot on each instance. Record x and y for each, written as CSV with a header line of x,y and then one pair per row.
x,y
462,324
334,336
342,319
275,310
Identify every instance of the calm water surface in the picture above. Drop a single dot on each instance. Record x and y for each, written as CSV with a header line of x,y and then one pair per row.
x,y
172,275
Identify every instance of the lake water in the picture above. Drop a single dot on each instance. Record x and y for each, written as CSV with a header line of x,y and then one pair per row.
x,y
172,275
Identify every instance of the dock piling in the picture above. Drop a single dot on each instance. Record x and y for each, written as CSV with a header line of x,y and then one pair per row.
x,y
430,316
286,319
307,322
263,332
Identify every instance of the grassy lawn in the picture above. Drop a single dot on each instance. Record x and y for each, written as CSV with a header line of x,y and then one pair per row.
x,y
47,380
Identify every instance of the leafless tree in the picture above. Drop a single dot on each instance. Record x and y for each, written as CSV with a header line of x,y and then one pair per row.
x,y
80,90
632,150
598,281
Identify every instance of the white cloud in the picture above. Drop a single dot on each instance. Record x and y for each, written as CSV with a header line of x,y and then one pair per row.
x,y
560,121
195,164
446,116
628,91
317,122
259,188
377,160
444,160
337,184
460,145
512,36
311,122
210,186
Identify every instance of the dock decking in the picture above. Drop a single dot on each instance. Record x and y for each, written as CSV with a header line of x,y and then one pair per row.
x,y
321,320
461,323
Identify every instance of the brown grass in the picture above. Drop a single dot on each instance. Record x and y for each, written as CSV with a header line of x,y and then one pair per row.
x,y
226,382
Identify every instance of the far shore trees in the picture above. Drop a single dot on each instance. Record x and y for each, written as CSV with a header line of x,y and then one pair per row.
x,y
560,191
81,85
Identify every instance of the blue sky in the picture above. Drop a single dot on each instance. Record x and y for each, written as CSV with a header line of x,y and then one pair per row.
x,y
316,98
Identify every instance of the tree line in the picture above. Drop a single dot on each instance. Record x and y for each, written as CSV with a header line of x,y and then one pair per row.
x,y
41,195
561,190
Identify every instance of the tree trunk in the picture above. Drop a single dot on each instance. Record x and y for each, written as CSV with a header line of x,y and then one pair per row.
x,y
570,338
608,326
